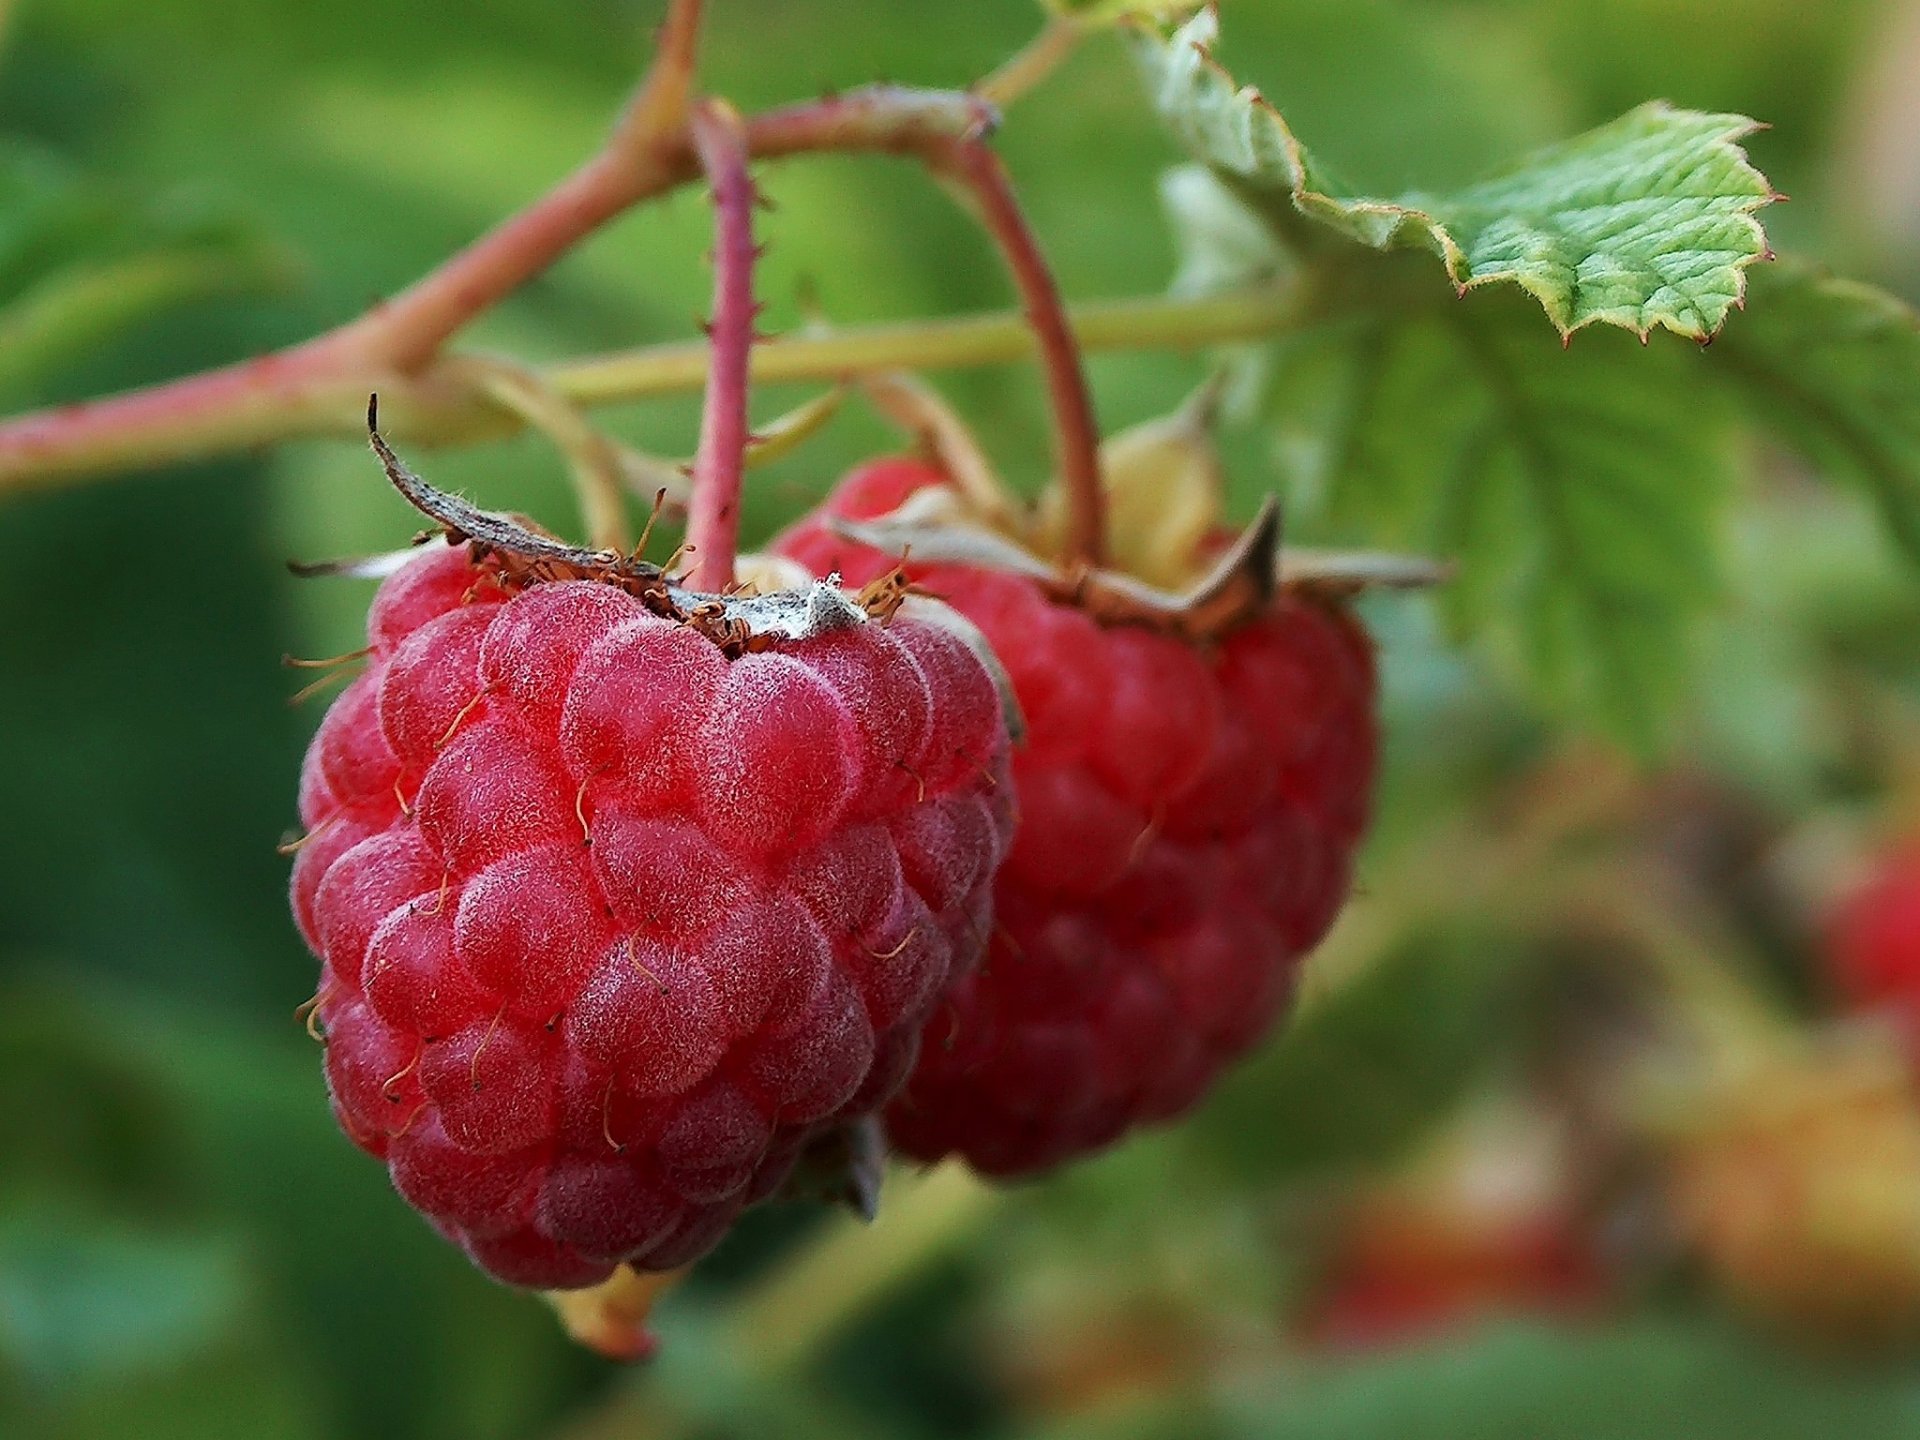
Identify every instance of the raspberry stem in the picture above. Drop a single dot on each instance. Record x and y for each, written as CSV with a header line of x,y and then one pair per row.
x,y
713,520
1028,67
264,402
1076,431
643,156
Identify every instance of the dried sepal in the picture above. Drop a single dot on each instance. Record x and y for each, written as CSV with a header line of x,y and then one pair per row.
x,y
525,552
744,619
1239,585
846,1167
1341,574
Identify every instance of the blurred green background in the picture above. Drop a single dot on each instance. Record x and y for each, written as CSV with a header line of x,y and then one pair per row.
x,y
187,1248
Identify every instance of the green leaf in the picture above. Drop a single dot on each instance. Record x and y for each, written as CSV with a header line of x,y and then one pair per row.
x,y
1649,1378
81,1301
1362,1074
1833,367
1579,491
80,262
1647,222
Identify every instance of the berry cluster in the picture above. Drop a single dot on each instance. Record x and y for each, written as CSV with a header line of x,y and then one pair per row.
x,y
1188,818
614,922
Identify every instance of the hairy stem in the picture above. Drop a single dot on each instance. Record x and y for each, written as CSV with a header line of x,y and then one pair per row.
x,y
713,520
1076,431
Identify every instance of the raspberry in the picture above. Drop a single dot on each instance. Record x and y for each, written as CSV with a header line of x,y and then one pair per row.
x,y
1188,817
613,922
1392,1286
1873,943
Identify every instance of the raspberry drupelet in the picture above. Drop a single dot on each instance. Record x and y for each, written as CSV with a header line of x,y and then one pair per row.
x,y
613,920
1188,818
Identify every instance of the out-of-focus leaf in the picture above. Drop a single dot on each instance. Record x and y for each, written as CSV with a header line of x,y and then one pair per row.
x,y
80,1303
108,1329
1579,492
414,1342
1363,1072
1107,12
1649,1380
1646,222
1834,367
1222,244
80,262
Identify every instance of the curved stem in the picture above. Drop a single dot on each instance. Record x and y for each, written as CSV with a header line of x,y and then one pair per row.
x,y
1076,431
713,520
594,461
644,155
320,387
278,397
1028,67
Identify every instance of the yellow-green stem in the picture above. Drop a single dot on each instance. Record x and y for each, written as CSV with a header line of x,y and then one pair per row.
x,y
1150,323
831,1283
269,401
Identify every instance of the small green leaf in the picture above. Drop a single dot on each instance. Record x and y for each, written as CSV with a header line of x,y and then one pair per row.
x,y
1647,222
1833,366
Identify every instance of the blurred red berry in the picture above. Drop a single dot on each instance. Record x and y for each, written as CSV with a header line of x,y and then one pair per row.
x,y
1389,1287
1874,940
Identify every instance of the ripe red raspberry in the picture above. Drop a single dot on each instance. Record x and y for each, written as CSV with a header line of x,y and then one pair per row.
x,y
1188,816
613,922
1873,943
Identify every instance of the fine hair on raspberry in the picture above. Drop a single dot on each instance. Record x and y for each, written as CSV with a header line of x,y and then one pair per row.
x,y
613,923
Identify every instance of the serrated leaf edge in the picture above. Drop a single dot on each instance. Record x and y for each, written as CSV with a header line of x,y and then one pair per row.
x,y
1432,233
